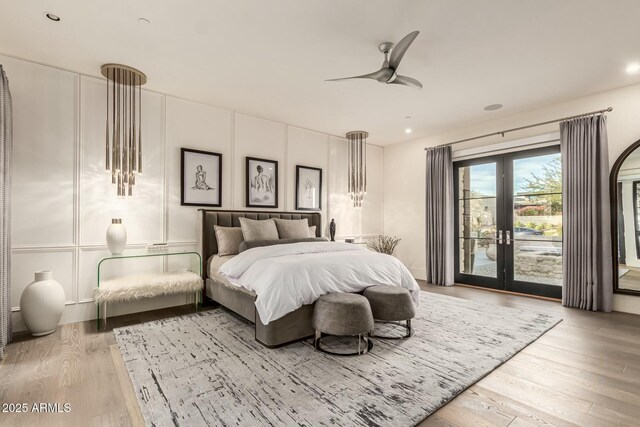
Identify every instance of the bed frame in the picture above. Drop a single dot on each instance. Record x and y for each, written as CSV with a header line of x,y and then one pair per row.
x,y
296,325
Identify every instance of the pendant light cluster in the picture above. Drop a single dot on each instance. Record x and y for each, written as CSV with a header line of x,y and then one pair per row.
x,y
357,180
123,151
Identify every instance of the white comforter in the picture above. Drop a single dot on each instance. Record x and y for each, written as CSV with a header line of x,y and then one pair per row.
x,y
286,277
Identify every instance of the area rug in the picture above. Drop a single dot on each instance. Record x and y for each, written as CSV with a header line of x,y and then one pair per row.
x,y
206,369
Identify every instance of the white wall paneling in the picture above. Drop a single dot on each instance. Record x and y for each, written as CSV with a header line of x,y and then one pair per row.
x,y
257,138
45,121
201,127
306,148
142,214
64,200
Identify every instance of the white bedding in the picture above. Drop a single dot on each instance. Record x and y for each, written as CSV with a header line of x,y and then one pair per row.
x,y
286,277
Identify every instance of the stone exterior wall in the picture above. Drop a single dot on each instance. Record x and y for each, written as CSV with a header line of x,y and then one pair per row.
x,y
534,264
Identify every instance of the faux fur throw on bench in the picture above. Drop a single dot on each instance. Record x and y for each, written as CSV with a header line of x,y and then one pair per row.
x,y
147,286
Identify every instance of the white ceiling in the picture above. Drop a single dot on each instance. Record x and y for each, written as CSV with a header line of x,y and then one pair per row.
x,y
270,58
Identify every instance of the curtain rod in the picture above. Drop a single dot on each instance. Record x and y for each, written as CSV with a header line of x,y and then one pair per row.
x,y
502,132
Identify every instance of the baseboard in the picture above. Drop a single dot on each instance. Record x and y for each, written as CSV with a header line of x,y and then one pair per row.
x,y
87,311
418,273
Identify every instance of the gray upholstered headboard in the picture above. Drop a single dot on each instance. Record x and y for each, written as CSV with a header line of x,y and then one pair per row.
x,y
207,244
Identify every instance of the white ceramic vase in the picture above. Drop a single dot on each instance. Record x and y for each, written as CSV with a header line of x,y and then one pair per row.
x,y
116,236
42,304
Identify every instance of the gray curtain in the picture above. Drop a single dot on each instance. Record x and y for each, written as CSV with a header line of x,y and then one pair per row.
x,y
587,262
6,151
439,215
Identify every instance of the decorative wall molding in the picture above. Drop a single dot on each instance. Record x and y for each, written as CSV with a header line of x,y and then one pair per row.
x,y
87,119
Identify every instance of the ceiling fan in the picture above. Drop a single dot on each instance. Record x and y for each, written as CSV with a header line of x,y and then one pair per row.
x,y
388,73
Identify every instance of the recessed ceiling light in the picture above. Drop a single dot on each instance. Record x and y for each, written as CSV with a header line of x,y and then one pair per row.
x,y
633,68
143,21
407,130
493,107
53,17
407,117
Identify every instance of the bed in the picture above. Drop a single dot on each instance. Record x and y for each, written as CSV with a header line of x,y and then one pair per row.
x,y
275,287
294,326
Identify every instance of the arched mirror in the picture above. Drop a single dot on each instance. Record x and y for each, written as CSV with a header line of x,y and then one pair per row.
x,y
625,219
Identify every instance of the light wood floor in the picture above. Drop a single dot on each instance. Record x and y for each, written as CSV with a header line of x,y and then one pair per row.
x,y
584,372
630,280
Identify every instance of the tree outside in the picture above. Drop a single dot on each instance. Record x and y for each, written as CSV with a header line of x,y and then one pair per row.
x,y
540,207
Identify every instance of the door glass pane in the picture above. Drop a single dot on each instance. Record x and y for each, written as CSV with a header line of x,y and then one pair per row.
x,y
478,257
477,181
538,262
539,174
537,219
477,220
477,217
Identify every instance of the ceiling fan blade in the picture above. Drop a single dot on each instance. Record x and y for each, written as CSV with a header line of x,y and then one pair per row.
x,y
407,81
399,50
381,75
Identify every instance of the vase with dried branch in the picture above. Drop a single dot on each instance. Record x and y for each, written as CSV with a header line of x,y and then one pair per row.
x,y
383,244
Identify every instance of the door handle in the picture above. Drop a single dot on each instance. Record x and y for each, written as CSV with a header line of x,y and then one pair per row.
x,y
508,237
500,237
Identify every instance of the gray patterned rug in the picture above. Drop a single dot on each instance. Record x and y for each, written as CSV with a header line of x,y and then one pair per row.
x,y
206,369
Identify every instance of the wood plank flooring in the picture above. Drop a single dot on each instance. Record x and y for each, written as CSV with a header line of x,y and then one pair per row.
x,y
584,372
630,280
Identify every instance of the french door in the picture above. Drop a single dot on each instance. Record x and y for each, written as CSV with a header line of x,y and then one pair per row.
x,y
508,222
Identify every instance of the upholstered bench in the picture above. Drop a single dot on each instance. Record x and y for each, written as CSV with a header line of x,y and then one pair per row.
x,y
391,304
142,286
343,314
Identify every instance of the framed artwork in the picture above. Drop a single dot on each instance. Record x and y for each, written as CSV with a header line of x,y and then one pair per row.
x,y
201,178
308,188
262,183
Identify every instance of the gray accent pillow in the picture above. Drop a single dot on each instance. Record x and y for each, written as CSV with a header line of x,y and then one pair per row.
x,y
257,243
292,228
312,231
229,239
258,229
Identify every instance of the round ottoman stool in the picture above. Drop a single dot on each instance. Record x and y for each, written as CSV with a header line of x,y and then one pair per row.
x,y
391,304
343,315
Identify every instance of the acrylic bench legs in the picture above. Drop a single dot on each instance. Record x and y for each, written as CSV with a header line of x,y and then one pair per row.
x,y
102,320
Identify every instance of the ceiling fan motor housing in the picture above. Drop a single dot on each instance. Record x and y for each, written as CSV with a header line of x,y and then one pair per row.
x,y
385,47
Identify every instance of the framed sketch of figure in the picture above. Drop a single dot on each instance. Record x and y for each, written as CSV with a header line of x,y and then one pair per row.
x,y
262,183
201,178
308,188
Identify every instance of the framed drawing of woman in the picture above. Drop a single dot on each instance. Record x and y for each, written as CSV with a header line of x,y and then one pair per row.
x,y
262,183
201,178
308,188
